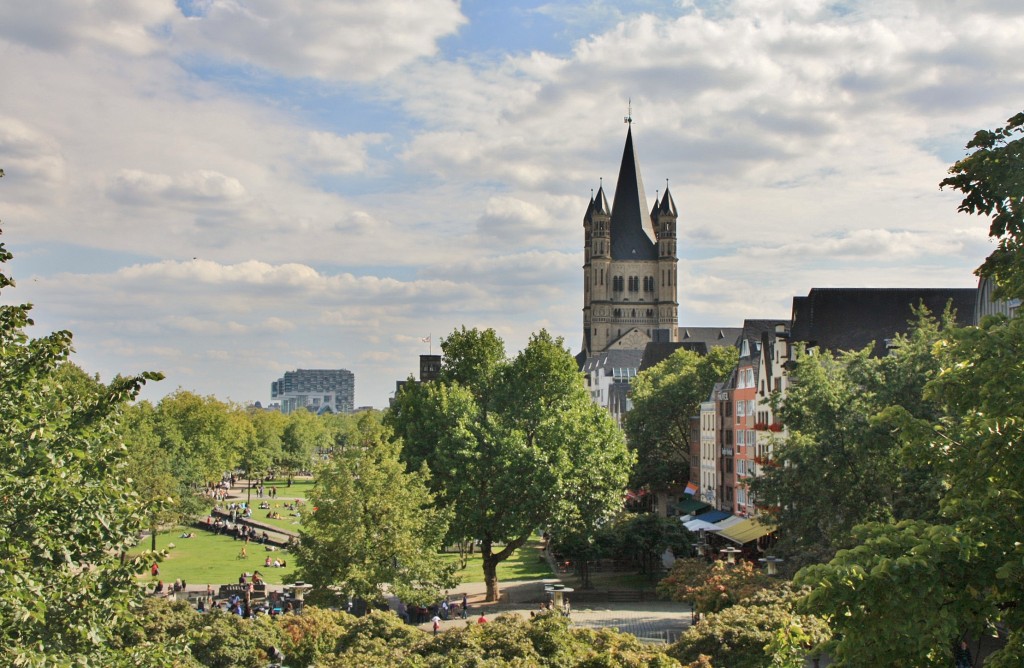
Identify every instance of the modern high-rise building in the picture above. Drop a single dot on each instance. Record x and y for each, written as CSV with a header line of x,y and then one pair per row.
x,y
317,390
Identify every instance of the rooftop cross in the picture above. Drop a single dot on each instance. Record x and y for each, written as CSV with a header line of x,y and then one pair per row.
x,y
628,118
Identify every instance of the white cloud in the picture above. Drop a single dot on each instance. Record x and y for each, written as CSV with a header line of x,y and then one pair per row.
x,y
131,27
803,144
341,155
332,39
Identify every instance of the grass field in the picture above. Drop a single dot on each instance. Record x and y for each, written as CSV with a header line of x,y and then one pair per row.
x,y
213,559
525,564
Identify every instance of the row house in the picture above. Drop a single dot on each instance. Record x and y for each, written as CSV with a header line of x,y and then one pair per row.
x,y
740,445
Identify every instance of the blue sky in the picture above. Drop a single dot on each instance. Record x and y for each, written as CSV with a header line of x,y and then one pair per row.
x,y
224,190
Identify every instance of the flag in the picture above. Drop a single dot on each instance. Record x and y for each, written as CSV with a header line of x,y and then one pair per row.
x,y
691,489
425,339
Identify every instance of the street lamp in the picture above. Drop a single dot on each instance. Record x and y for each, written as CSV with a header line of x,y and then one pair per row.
x,y
730,553
772,563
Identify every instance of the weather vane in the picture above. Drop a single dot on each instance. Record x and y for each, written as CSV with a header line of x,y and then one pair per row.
x,y
628,118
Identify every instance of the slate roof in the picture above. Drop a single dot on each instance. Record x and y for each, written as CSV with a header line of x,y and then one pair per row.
x,y
698,339
613,359
752,331
838,319
631,228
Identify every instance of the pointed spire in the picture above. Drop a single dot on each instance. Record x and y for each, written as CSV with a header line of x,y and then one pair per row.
x,y
667,205
632,231
601,202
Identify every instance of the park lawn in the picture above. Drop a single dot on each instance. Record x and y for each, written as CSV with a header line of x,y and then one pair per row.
x,y
286,522
213,559
526,563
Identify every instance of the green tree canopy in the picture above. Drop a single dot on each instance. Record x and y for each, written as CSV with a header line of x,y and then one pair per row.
x,y
664,398
991,178
905,593
841,462
304,434
373,526
68,512
205,436
522,448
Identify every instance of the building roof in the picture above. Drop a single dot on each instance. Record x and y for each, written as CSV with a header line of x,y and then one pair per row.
x,y
631,228
752,331
697,339
838,319
712,337
616,358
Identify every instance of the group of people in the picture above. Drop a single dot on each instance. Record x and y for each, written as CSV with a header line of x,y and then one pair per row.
x,y
418,614
274,563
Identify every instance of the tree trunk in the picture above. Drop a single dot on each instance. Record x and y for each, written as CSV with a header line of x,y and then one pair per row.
x,y
492,559
152,536
491,562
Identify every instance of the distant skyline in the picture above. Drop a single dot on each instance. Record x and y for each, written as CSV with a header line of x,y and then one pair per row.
x,y
225,190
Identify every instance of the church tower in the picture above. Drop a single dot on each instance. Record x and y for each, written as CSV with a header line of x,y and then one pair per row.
x,y
629,264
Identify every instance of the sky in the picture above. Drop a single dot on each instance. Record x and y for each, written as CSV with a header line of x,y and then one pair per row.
x,y
225,190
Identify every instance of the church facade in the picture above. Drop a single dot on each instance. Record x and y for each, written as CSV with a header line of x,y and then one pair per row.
x,y
630,288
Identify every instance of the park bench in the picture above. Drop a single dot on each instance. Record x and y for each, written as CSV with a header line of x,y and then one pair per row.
x,y
259,592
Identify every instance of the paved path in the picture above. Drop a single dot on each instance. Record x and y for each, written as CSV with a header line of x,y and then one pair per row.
x,y
656,621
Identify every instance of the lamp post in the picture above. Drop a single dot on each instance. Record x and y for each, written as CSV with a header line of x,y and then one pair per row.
x,y
772,563
730,553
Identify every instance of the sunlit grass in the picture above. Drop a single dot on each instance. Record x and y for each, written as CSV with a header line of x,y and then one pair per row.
x,y
213,559
526,563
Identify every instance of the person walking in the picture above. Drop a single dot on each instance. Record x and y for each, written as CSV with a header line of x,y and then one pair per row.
x,y
962,656
465,606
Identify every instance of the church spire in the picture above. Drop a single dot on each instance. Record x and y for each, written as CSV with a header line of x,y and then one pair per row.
x,y
632,232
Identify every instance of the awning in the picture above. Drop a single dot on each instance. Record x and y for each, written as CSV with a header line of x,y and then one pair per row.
x,y
701,525
729,521
715,516
746,531
690,506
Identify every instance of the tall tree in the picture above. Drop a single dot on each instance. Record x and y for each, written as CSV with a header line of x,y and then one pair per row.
x,y
206,437
305,434
520,447
841,462
68,513
151,472
991,178
373,527
664,398
928,584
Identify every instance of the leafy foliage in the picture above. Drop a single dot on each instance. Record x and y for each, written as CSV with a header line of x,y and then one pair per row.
x,y
762,630
522,447
67,510
374,524
992,181
664,398
844,463
907,592
715,586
